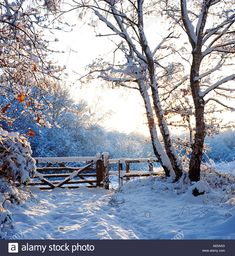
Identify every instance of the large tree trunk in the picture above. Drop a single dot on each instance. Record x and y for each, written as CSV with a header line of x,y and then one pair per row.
x,y
170,150
197,148
200,130
157,147
175,162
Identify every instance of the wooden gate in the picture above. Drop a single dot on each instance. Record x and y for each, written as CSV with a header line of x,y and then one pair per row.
x,y
76,172
71,172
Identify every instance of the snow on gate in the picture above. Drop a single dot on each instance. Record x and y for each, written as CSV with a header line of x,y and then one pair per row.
x,y
75,172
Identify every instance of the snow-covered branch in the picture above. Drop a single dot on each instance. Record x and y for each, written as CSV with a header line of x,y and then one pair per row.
x,y
226,47
160,45
127,86
108,23
115,79
143,40
214,69
188,23
202,20
225,26
217,84
176,86
125,33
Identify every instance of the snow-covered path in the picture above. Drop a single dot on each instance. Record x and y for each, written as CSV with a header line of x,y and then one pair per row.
x,y
143,209
69,214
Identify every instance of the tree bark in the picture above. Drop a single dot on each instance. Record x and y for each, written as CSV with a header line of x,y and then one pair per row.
x,y
157,147
200,128
197,147
170,151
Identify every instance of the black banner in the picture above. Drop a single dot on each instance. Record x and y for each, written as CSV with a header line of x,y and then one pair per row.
x,y
118,247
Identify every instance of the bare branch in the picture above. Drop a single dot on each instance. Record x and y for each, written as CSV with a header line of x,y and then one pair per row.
x,y
215,31
220,103
168,94
128,86
216,68
162,42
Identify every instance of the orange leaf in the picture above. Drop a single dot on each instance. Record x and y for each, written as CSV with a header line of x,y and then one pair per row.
x,y
10,123
4,109
38,118
31,133
34,67
21,97
28,103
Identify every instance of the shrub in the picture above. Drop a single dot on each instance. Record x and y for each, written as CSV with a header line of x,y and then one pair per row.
x,y
16,163
16,166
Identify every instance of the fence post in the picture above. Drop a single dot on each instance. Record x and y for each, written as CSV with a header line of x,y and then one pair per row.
x,y
150,162
100,173
120,178
127,169
105,158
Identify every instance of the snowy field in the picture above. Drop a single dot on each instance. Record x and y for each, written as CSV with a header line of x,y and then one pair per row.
x,y
147,208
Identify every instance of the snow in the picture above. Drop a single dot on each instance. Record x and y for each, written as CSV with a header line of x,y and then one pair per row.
x,y
66,159
188,23
16,164
226,167
199,23
163,157
15,157
147,208
201,186
68,214
217,84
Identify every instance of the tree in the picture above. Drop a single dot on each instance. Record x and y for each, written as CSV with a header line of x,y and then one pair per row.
x,y
135,67
24,53
210,29
166,86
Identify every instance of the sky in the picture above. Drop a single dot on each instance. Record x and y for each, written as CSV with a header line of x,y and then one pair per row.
x,y
122,109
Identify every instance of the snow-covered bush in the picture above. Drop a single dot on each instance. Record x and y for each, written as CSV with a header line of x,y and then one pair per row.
x,y
200,188
16,165
5,222
222,147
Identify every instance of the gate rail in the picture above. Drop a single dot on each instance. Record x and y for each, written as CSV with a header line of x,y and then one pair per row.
x,y
94,172
57,173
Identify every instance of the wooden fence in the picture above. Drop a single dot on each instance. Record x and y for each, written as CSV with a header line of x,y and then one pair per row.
x,y
125,172
95,171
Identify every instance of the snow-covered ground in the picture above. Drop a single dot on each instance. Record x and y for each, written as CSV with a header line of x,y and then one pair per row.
x,y
226,167
147,208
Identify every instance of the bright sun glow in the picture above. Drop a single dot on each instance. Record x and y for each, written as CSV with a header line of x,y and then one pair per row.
x,y
122,109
